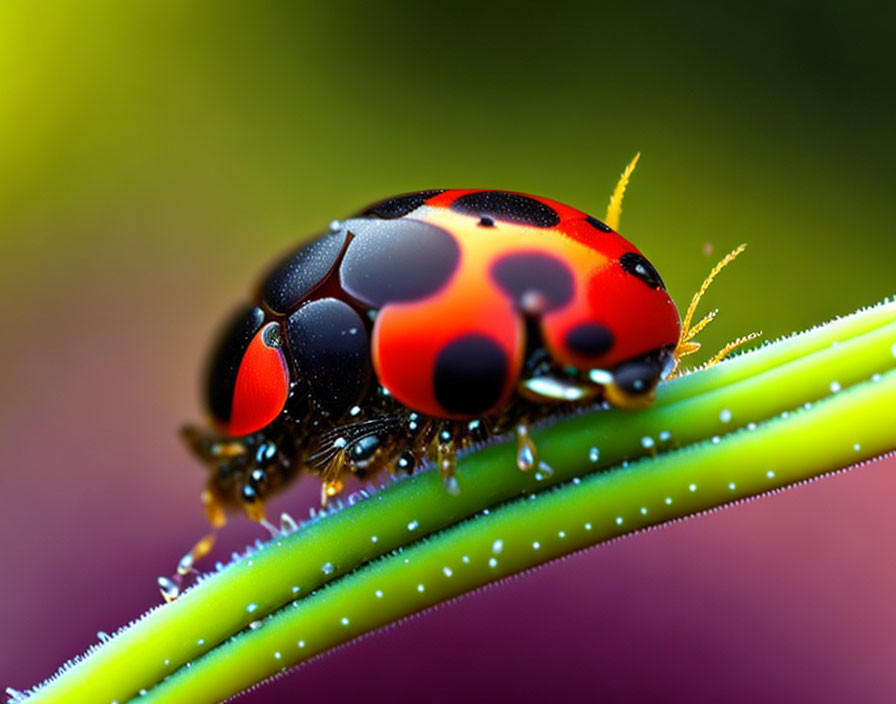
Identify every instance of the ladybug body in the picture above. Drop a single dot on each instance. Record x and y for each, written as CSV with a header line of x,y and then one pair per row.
x,y
421,326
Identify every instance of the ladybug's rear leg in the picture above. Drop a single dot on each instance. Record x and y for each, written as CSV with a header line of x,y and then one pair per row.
x,y
171,587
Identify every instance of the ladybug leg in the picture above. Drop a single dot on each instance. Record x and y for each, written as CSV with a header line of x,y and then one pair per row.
x,y
171,587
332,478
446,457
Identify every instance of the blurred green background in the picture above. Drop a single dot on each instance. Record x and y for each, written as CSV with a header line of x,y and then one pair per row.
x,y
155,155
185,142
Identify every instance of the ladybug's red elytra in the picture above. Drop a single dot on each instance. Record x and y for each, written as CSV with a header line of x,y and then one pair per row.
x,y
426,323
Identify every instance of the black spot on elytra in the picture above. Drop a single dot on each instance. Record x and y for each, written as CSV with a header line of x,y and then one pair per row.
x,y
486,222
469,375
400,206
510,207
597,224
330,346
638,266
224,364
525,273
396,260
301,272
589,339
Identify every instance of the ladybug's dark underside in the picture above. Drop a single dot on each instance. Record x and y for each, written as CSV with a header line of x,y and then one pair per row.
x,y
424,325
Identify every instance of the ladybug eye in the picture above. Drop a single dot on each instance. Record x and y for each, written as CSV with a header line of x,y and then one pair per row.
x,y
638,266
248,380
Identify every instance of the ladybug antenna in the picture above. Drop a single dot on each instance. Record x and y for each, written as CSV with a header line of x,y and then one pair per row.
x,y
685,345
614,209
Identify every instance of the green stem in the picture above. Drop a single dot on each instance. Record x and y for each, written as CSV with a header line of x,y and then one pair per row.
x,y
793,410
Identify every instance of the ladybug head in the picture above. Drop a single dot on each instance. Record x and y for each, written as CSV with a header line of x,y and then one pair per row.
x,y
247,381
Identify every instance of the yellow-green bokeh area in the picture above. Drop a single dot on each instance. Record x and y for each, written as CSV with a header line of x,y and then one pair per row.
x,y
229,129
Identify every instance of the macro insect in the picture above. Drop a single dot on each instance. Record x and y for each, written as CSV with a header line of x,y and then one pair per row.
x,y
425,325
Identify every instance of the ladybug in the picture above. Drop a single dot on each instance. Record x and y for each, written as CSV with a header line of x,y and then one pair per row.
x,y
423,325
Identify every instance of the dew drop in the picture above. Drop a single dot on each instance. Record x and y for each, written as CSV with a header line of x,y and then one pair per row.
x,y
618,520
751,426
373,538
251,607
465,559
536,545
732,486
668,500
255,625
413,525
328,568
692,487
716,439
296,589
594,454
170,590
497,546
492,562
857,447
301,644
725,415
421,588
561,533
447,571
835,387
287,523
378,593
643,510
647,442
770,474
344,621
665,436
587,526
277,655
525,457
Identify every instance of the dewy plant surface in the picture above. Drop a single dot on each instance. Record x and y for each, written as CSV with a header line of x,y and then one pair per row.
x,y
785,413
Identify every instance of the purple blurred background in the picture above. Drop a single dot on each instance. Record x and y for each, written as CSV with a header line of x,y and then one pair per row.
x,y
154,156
